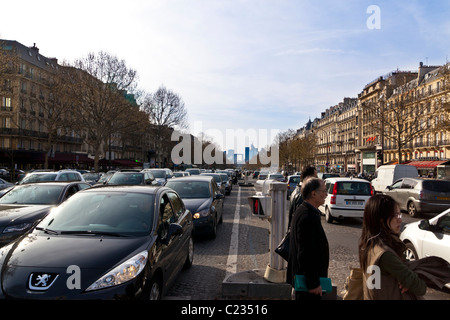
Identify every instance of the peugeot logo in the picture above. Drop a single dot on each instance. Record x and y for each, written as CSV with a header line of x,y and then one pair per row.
x,y
41,281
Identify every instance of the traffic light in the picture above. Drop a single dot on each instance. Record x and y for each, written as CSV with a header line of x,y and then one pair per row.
x,y
260,206
380,155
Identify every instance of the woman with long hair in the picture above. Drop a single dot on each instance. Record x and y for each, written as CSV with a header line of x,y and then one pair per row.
x,y
381,254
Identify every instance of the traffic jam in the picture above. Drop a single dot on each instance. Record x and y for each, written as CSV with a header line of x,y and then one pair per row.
x,y
128,234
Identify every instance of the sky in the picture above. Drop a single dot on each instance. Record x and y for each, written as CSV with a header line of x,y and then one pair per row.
x,y
245,69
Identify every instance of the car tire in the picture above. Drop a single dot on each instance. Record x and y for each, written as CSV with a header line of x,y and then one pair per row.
x,y
410,252
155,288
190,255
213,233
412,210
328,217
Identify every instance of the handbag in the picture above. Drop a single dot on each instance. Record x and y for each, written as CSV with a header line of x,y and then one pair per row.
x,y
283,248
353,286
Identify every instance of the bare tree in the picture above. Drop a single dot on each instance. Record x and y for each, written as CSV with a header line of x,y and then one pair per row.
x,y
404,118
54,111
101,84
166,111
283,139
302,151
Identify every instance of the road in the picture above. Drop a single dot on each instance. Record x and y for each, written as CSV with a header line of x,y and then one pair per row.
x,y
246,247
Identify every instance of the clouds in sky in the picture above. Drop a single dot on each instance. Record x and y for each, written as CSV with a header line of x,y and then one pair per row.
x,y
242,64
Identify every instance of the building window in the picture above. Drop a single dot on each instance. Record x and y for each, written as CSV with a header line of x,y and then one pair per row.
x,y
6,122
6,104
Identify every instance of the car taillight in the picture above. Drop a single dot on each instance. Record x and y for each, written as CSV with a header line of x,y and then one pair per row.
x,y
421,195
372,191
333,197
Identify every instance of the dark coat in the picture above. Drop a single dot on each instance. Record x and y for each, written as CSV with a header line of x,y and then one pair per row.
x,y
309,253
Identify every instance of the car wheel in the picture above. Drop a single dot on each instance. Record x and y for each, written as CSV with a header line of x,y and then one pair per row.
x,y
410,252
328,217
412,211
155,289
213,233
190,255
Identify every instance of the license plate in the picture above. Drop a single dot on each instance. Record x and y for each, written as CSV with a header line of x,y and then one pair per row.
x,y
442,198
354,203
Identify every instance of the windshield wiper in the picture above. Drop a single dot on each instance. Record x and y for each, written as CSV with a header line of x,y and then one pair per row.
x,y
93,232
48,231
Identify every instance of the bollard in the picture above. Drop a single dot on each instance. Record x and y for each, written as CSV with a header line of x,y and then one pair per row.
x,y
276,270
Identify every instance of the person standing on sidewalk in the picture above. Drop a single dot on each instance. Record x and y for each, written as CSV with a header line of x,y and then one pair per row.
x,y
296,198
309,252
381,250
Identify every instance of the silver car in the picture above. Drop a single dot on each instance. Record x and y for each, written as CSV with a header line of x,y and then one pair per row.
x,y
417,195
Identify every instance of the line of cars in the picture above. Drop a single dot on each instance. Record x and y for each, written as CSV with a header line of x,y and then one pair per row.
x,y
111,241
417,196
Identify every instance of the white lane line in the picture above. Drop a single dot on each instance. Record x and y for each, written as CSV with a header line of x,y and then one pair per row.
x,y
233,252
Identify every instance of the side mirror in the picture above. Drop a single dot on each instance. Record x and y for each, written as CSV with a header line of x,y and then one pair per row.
x,y
175,230
424,225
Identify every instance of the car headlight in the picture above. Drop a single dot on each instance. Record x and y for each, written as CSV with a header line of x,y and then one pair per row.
x,y
201,213
122,273
18,227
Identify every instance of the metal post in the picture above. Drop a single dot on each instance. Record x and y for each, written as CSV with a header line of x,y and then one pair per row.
x,y
276,270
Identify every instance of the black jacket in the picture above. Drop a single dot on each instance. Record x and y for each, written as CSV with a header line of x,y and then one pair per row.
x,y
309,253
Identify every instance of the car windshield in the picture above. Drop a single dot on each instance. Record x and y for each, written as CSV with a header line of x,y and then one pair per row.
x,y
276,176
91,176
33,194
102,212
190,189
215,176
39,177
353,188
294,179
126,178
437,185
159,173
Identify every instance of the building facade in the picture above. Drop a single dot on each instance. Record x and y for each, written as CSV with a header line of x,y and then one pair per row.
x,y
28,101
399,117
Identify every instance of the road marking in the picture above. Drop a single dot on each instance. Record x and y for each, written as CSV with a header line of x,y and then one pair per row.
x,y
233,252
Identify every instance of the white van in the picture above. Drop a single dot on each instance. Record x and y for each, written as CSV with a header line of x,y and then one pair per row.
x,y
386,175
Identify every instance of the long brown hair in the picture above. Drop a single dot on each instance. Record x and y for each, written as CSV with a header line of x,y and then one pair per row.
x,y
378,212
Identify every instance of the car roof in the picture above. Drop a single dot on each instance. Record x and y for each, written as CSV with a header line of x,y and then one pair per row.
x,y
336,179
202,177
127,188
56,183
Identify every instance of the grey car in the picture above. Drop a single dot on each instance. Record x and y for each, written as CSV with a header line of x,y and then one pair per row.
x,y
23,206
417,196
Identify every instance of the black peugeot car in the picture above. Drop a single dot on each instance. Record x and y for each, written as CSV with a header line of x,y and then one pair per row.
x,y
112,242
203,198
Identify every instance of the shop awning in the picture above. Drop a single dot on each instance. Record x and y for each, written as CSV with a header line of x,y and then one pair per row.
x,y
427,164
